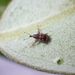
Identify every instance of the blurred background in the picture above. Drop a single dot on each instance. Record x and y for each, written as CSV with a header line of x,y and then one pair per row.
x,y
3,5
8,67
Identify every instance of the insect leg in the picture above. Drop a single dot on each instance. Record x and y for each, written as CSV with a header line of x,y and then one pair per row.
x,y
34,43
38,29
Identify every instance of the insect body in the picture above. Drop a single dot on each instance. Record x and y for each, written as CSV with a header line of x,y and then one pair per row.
x,y
40,37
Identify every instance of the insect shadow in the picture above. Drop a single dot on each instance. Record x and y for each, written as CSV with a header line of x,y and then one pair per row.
x,y
40,37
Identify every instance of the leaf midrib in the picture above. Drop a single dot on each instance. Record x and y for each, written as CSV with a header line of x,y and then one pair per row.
x,y
14,34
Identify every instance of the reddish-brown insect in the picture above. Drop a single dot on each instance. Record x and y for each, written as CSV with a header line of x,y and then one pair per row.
x,y
40,37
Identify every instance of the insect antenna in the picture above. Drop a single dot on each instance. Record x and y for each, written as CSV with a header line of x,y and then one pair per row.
x,y
28,37
27,33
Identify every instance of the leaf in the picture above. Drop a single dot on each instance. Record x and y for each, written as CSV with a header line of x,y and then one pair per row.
x,y
54,18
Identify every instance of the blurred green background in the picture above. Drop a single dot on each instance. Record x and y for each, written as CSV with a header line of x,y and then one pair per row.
x,y
3,5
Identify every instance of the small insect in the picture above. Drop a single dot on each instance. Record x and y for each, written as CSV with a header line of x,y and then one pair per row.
x,y
40,37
